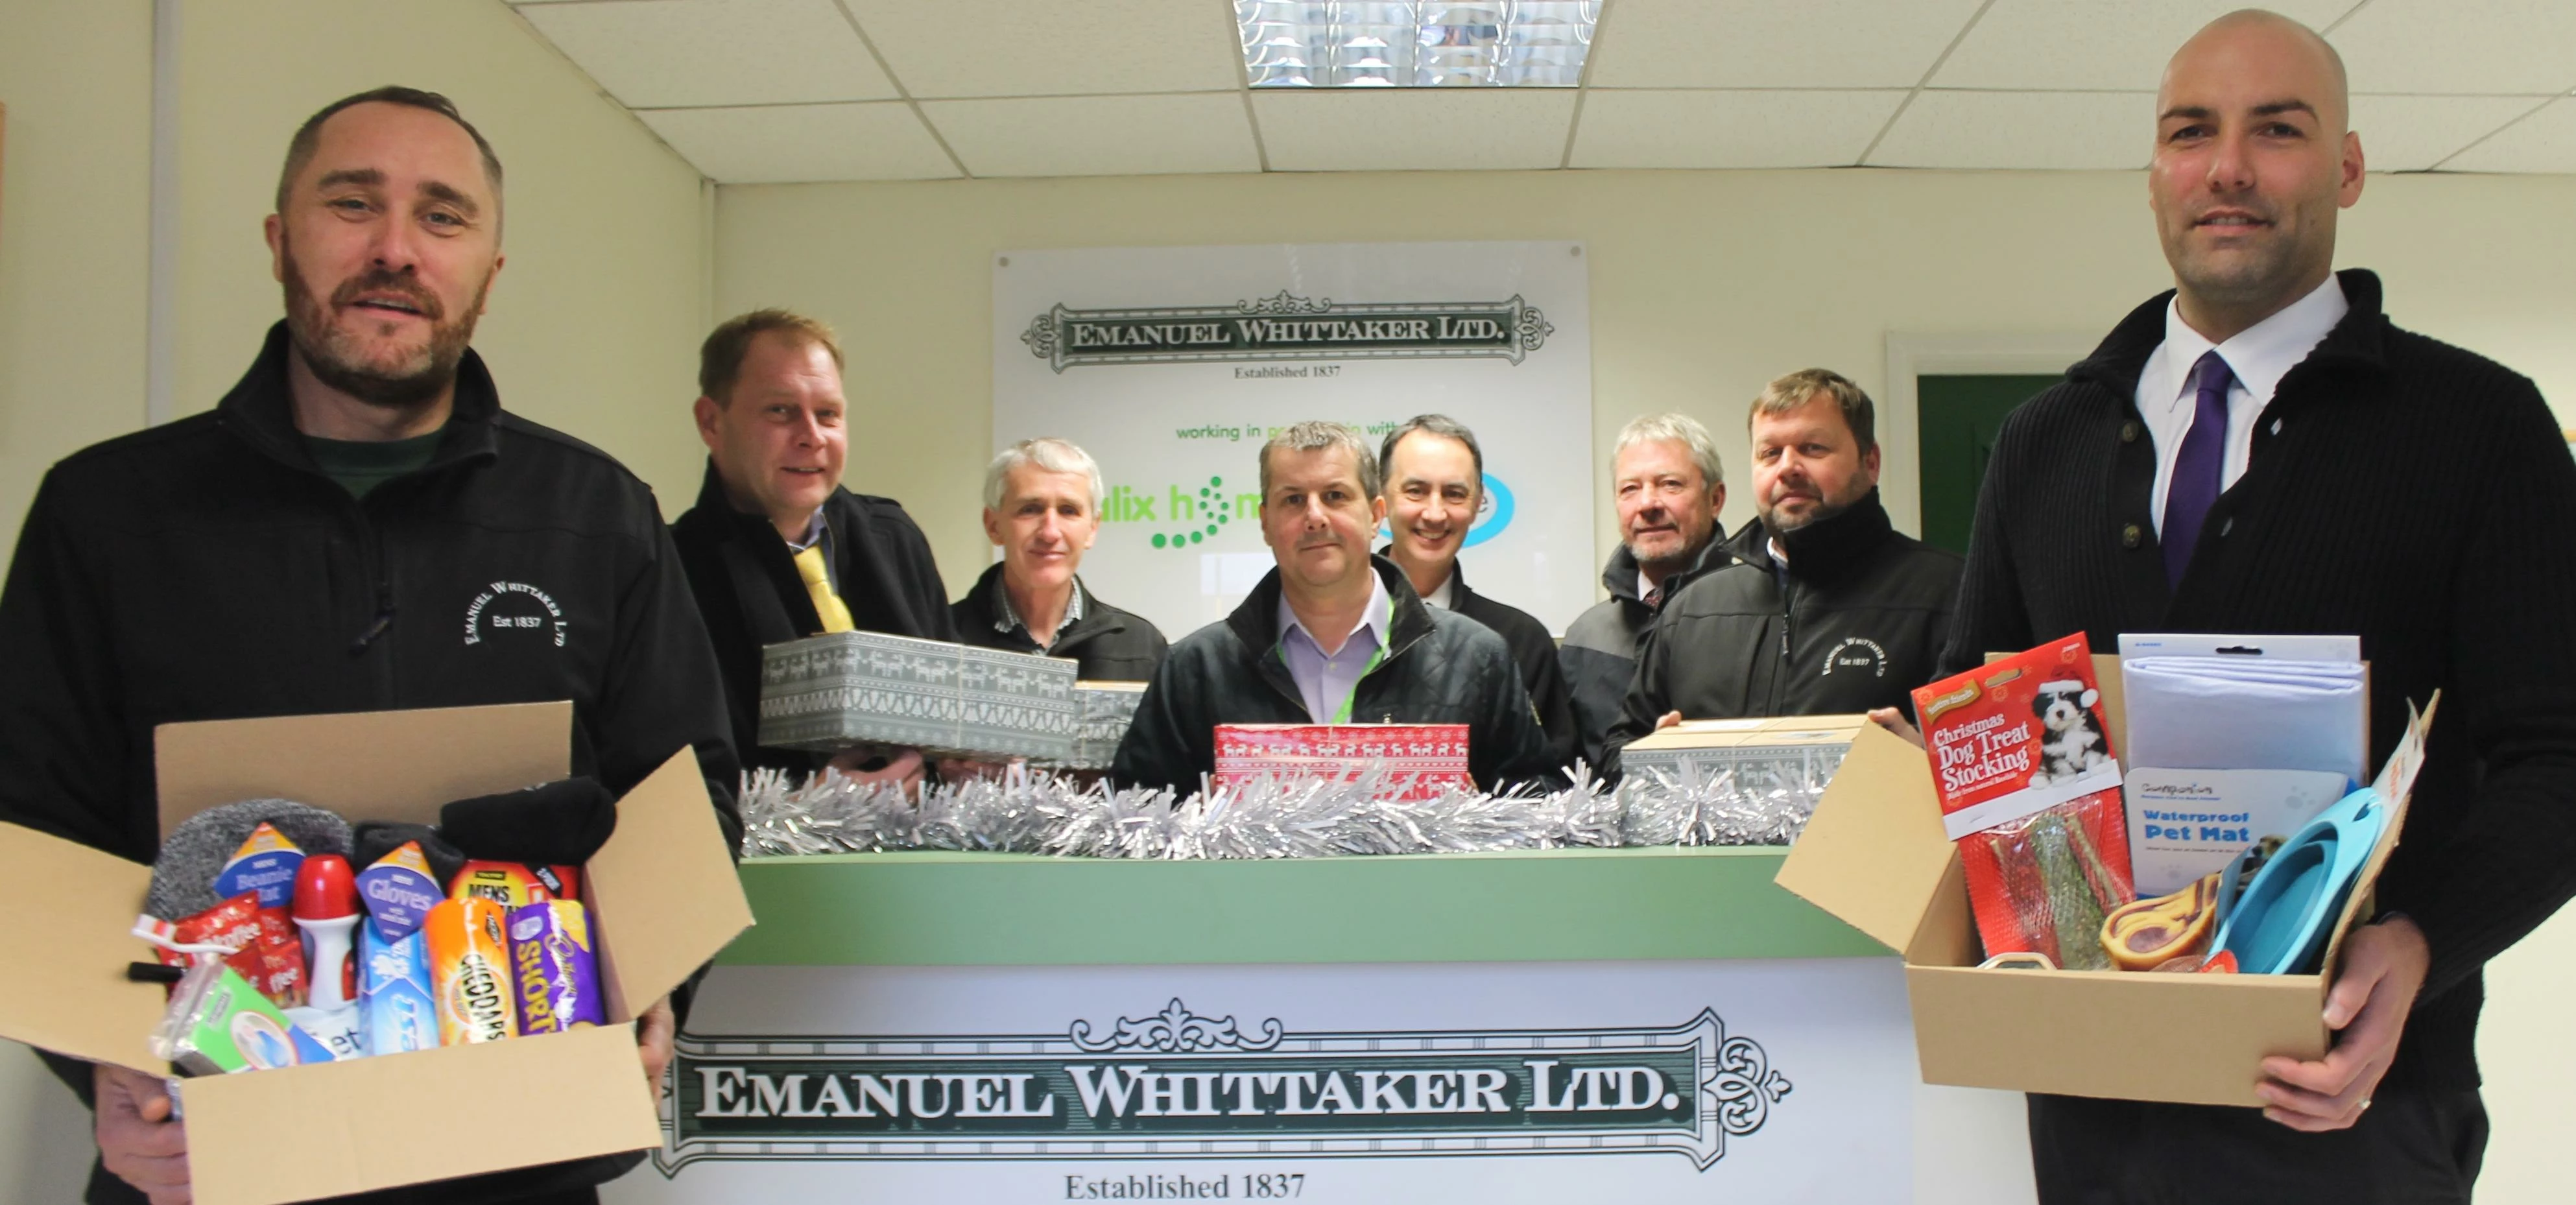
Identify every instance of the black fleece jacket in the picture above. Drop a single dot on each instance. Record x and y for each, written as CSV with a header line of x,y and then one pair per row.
x,y
206,569
1110,645
1534,651
1441,668
747,588
1854,620
1599,654
2400,489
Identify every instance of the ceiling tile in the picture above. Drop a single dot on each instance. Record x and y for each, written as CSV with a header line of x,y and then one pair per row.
x,y
1414,129
672,53
2412,133
1098,135
2526,46
786,144
2542,142
1768,44
2068,130
2107,44
952,48
1729,129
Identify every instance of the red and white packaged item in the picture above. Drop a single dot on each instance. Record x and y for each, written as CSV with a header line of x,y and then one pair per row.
x,y
2030,791
1419,761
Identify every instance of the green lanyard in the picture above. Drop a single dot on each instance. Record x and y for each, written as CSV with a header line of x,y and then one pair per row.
x,y
1342,714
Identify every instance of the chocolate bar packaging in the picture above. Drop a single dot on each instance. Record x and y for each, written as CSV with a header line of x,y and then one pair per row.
x,y
834,691
1418,761
553,968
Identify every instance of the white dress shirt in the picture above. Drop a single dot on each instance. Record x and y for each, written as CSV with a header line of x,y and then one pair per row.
x,y
2259,356
1448,590
1325,682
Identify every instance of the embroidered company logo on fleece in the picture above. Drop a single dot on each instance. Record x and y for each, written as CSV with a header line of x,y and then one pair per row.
x,y
505,610
1182,1086
1855,654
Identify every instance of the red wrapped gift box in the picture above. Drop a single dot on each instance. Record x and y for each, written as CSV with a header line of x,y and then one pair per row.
x,y
1419,760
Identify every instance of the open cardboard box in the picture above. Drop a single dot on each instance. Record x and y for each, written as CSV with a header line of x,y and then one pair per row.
x,y
662,896
1875,855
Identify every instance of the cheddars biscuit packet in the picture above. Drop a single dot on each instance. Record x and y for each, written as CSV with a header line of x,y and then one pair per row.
x,y
469,971
2030,791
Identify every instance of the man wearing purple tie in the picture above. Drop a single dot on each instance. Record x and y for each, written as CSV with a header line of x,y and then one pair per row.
x,y
2262,450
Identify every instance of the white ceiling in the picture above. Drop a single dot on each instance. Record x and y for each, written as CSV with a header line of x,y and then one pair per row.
x,y
763,91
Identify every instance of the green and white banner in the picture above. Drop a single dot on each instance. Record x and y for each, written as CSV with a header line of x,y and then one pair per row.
x,y
1739,1080
1172,365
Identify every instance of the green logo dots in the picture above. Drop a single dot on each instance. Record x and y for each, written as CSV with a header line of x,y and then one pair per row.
x,y
1158,541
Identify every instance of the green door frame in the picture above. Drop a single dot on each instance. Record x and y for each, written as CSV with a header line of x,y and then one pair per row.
x,y
1913,354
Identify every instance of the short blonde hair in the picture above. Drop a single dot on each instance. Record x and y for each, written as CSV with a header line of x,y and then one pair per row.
x,y
720,357
1792,391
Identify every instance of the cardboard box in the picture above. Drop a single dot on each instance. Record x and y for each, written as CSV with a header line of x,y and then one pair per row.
x,y
1876,856
1421,760
662,893
1694,752
830,692
1102,712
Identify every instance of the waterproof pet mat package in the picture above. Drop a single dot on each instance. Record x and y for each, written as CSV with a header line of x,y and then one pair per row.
x,y
2234,741
2030,791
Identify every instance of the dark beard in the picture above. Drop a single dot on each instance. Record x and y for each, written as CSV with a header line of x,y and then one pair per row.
x,y
1822,512
308,323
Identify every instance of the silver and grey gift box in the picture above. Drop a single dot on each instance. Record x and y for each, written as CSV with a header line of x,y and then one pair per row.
x,y
1103,711
833,691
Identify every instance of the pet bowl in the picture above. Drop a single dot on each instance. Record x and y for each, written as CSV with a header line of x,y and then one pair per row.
x,y
2279,926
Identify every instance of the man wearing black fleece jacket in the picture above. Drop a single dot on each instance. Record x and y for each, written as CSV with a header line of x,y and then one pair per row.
x,y
2242,455
357,526
1818,605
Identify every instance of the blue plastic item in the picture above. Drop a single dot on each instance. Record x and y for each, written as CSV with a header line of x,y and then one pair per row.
x,y
2280,925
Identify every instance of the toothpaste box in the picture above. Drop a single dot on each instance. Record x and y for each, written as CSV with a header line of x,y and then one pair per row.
x,y
393,977
662,896
830,692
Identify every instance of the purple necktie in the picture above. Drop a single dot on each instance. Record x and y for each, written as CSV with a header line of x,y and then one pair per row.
x,y
2196,468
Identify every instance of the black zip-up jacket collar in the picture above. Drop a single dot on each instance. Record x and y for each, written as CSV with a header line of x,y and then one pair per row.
x,y
261,411
1256,623
1822,552
1626,582
1534,650
1111,645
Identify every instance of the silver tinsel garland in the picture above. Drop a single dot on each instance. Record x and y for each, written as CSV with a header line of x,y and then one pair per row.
x,y
1753,803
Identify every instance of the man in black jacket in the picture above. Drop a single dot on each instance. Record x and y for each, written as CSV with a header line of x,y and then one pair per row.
x,y
357,526
775,549
1042,509
2242,455
1435,483
1332,635
1823,607
1664,475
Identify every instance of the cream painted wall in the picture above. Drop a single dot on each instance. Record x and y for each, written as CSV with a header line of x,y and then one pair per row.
x,y
1704,285
595,319
594,323
75,183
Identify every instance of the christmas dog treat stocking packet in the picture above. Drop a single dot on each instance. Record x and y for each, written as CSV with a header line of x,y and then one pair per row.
x,y
2031,792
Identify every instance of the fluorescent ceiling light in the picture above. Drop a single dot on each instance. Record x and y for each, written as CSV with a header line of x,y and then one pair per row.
x,y
1425,44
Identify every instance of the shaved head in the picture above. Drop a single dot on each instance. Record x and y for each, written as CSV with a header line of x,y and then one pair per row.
x,y
2254,157
2256,33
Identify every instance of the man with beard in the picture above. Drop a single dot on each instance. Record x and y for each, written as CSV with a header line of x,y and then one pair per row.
x,y
1665,478
2262,450
356,526
1821,606
775,548
1331,635
1435,484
